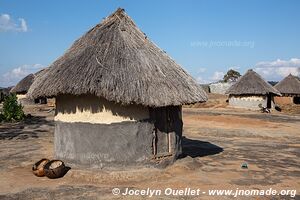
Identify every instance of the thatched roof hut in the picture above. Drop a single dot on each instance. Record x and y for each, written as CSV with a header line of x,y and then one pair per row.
x,y
253,84
23,86
289,87
251,91
118,96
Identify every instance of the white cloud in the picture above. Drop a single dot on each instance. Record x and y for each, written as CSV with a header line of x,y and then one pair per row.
x,y
294,62
278,69
217,76
23,25
15,75
199,75
200,80
236,68
8,24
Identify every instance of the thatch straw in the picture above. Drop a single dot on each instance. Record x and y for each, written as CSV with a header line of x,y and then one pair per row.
x,y
289,85
117,61
251,83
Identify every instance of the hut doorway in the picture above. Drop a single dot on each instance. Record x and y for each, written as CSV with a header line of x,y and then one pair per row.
x,y
1,97
296,100
168,130
269,101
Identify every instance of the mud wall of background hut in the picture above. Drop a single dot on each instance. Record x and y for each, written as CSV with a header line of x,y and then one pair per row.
x,y
250,102
24,100
283,100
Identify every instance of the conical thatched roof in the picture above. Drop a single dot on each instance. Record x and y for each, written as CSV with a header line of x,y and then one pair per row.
x,y
23,86
117,61
251,83
5,91
289,85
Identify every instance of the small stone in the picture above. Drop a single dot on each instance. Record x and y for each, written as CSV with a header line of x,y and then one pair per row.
x,y
244,166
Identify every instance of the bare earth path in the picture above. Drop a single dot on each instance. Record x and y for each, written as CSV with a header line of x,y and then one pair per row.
x,y
216,143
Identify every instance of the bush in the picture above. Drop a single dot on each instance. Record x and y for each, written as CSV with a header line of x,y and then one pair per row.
x,y
1,117
12,110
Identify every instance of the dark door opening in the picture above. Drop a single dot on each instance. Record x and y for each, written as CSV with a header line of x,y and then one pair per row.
x,y
296,100
269,101
168,129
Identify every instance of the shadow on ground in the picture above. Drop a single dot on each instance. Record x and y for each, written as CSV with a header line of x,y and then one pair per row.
x,y
197,148
9,131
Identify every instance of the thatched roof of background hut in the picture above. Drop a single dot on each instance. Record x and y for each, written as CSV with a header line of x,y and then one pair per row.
x,y
289,85
6,90
117,61
23,86
251,83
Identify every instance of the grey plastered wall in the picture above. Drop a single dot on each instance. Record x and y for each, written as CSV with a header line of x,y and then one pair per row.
x,y
219,88
98,145
250,102
247,103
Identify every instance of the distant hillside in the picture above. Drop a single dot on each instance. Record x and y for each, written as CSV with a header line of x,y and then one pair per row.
x,y
273,82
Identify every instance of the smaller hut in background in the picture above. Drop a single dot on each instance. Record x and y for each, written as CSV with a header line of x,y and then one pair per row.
x,y
289,87
251,91
23,86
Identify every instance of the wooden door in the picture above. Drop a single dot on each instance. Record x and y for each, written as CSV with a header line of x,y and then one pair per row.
x,y
166,121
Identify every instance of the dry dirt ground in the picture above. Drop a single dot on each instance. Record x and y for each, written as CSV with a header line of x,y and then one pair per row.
x,y
217,141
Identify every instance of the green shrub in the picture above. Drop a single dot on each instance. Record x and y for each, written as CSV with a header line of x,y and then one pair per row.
x,y
12,110
1,117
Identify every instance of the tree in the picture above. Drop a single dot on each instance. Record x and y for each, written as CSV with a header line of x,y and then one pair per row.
x,y
231,76
12,110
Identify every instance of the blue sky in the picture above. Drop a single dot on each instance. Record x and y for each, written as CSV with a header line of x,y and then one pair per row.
x,y
206,37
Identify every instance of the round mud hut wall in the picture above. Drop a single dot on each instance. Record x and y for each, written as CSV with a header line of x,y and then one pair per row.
x,y
126,134
284,100
249,101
